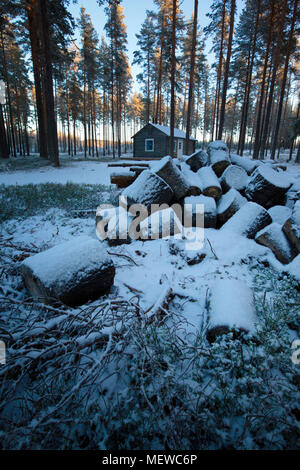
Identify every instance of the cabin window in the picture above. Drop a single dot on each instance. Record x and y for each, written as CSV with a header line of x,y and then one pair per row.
x,y
149,145
180,145
174,145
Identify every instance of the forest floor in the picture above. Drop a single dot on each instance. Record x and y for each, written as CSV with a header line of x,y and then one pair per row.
x,y
151,387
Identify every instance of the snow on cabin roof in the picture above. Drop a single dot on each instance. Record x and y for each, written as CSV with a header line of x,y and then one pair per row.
x,y
166,130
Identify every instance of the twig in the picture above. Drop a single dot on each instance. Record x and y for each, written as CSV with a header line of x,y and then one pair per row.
x,y
212,250
123,256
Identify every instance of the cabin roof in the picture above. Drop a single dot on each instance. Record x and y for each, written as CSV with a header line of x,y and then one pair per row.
x,y
178,134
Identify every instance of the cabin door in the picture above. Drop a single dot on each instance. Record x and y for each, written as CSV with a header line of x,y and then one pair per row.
x,y
179,149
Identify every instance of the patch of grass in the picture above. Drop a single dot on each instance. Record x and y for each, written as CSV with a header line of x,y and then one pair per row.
x,y
31,199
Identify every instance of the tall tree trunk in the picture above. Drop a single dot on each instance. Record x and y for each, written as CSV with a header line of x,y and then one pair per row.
x,y
192,75
5,71
248,82
52,140
4,150
286,66
226,74
173,72
272,85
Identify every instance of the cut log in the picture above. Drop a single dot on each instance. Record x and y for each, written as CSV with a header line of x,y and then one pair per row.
x,y
267,187
73,272
228,205
122,178
231,305
197,205
248,220
113,225
291,228
219,161
280,214
124,165
218,156
192,179
137,170
217,145
160,224
273,237
168,171
293,195
147,189
234,177
244,162
209,183
197,160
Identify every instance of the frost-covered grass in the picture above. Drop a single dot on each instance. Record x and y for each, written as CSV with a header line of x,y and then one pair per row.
x,y
32,199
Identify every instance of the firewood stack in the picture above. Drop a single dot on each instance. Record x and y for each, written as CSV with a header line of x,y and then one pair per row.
x,y
254,199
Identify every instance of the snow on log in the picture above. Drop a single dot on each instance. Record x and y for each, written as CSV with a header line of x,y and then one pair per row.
x,y
209,183
234,177
280,214
217,145
244,162
248,220
219,160
197,160
292,228
147,189
192,179
231,305
193,206
122,178
293,195
273,237
228,205
294,269
160,224
113,225
169,172
218,156
267,187
72,272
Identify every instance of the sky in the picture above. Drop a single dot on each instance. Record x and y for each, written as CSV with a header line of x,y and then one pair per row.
x,y
135,14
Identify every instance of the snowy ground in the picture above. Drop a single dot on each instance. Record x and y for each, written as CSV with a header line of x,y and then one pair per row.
x,y
146,270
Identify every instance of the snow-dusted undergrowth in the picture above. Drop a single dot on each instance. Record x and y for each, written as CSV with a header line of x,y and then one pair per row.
x,y
113,375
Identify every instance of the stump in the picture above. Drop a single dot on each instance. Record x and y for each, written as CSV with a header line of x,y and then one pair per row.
x,y
72,273
244,162
122,178
228,205
248,220
231,305
234,177
197,160
280,214
168,171
209,183
191,209
192,179
267,187
291,228
147,189
273,237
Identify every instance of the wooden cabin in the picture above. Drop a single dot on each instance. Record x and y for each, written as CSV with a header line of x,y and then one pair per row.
x,y
153,141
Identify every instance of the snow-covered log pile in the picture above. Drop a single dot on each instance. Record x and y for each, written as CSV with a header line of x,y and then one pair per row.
x,y
251,198
231,306
72,272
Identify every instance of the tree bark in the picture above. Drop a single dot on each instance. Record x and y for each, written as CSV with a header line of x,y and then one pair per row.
x,y
191,82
